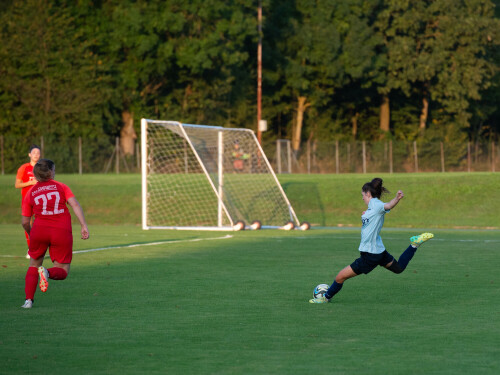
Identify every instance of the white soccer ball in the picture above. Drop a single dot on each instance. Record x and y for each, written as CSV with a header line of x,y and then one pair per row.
x,y
305,225
239,225
320,290
289,225
256,225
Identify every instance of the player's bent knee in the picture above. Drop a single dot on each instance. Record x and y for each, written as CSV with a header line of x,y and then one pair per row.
x,y
60,271
395,267
57,273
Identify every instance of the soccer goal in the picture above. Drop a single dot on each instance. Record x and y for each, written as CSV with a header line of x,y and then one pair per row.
x,y
208,177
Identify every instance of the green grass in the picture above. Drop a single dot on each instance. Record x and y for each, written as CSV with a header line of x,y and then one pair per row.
x,y
239,306
435,200
189,305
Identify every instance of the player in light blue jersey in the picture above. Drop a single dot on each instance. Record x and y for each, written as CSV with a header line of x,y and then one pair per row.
x,y
372,250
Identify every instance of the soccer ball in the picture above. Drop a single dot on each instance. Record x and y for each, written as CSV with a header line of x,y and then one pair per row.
x,y
256,225
305,226
289,225
239,225
320,290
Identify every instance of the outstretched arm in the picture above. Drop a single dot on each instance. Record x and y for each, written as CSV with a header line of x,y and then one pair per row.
x,y
77,209
394,201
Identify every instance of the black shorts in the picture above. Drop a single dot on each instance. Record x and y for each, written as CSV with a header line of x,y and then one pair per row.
x,y
368,261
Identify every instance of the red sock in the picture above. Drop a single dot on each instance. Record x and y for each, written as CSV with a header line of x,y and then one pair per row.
x,y
57,273
30,282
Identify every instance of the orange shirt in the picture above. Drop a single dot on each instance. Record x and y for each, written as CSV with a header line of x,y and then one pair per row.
x,y
25,174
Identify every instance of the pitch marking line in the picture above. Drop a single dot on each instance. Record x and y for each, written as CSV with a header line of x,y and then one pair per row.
x,y
138,245
151,244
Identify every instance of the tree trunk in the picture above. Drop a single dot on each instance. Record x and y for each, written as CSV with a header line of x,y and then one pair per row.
x,y
127,134
354,122
385,114
185,102
424,114
47,96
297,128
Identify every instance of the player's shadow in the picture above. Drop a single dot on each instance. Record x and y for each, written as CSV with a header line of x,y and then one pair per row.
x,y
306,201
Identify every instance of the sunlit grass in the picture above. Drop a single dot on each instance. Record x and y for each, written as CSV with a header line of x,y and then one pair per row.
x,y
190,305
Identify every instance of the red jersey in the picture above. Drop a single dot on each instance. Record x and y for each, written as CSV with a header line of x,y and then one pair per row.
x,y
25,174
47,201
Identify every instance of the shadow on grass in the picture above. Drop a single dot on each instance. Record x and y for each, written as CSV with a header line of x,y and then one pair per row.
x,y
297,191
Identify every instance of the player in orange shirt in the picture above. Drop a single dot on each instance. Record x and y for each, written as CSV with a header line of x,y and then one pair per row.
x,y
51,228
25,179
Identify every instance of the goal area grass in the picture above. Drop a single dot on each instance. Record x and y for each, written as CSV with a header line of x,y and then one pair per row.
x,y
185,302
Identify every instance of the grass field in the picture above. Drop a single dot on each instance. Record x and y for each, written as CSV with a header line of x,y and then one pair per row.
x,y
239,306
177,302
435,200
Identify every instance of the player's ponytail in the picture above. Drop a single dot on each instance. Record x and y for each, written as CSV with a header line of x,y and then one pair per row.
x,y
43,170
375,187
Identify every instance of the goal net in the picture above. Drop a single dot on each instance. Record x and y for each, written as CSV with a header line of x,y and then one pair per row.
x,y
208,177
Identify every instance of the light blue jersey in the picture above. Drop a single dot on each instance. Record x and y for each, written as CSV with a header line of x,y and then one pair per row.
x,y
373,220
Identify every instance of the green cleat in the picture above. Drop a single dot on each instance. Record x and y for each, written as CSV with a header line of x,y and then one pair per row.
x,y
416,241
319,300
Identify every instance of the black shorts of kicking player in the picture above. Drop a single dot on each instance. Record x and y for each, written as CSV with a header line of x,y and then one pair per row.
x,y
368,261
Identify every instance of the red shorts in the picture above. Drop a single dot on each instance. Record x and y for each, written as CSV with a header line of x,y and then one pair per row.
x,y
58,241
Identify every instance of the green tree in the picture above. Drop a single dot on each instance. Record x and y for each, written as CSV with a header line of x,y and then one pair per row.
x,y
360,60
310,51
214,70
46,68
49,84
436,49
179,60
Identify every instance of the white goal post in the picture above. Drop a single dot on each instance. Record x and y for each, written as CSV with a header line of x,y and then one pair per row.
x,y
199,177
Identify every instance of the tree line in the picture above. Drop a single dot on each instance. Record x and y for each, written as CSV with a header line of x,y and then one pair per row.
x,y
332,69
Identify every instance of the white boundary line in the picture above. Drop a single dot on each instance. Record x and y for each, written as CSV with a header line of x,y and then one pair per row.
x,y
137,245
150,244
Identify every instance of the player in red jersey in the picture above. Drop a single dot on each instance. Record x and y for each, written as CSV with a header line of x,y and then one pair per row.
x,y
25,179
51,228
